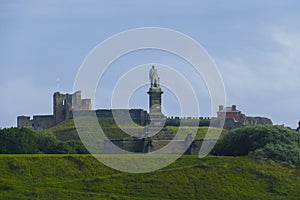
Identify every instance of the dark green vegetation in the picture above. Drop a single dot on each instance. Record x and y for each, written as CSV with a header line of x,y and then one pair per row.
x,y
83,177
28,141
264,142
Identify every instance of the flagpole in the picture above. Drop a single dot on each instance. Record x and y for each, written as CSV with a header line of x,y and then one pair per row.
x,y
57,84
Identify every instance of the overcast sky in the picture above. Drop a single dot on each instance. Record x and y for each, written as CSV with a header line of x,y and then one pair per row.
x,y
255,45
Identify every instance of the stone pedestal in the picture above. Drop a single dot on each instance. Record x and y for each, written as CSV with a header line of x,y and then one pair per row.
x,y
156,118
155,113
155,99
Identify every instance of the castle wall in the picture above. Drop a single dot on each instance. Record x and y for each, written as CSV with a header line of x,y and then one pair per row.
x,y
193,148
76,100
80,104
252,121
139,146
24,121
104,113
139,116
43,121
65,104
38,122
131,145
86,104
232,124
82,113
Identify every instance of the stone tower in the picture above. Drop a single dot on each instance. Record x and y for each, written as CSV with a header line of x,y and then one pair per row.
x,y
63,104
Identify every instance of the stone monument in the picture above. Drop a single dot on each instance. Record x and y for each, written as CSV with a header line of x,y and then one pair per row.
x,y
157,119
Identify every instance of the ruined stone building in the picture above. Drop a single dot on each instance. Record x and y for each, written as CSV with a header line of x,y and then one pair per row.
x,y
64,105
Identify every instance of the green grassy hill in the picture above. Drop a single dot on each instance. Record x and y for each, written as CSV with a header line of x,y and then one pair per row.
x,y
83,177
67,131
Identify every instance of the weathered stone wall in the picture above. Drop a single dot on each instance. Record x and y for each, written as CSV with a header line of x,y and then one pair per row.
x,y
232,124
24,121
142,146
194,148
125,145
252,121
77,103
38,122
82,113
63,104
86,104
139,116
43,121
245,121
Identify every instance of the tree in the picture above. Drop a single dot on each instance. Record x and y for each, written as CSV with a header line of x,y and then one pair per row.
x,y
264,142
77,146
46,141
18,140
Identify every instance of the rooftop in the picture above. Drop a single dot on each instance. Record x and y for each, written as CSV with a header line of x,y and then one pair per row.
x,y
228,109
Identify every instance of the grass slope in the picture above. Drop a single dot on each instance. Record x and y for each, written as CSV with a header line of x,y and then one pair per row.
x,y
83,177
67,131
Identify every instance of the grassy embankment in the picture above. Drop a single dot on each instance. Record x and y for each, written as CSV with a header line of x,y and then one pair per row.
x,y
41,176
83,177
67,131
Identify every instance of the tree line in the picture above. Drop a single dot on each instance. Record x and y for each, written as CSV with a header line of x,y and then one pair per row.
x,y
27,141
265,142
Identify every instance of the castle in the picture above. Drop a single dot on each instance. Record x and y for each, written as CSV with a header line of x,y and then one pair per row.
x,y
64,105
155,134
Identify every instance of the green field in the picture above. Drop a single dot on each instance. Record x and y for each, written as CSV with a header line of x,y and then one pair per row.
x,y
40,176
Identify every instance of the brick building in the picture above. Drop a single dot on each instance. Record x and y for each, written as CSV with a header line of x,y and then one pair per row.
x,y
230,113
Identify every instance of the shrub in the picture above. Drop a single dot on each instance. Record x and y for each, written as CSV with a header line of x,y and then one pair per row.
x,y
264,142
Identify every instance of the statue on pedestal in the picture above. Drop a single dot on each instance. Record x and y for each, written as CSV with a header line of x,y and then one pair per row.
x,y
153,76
